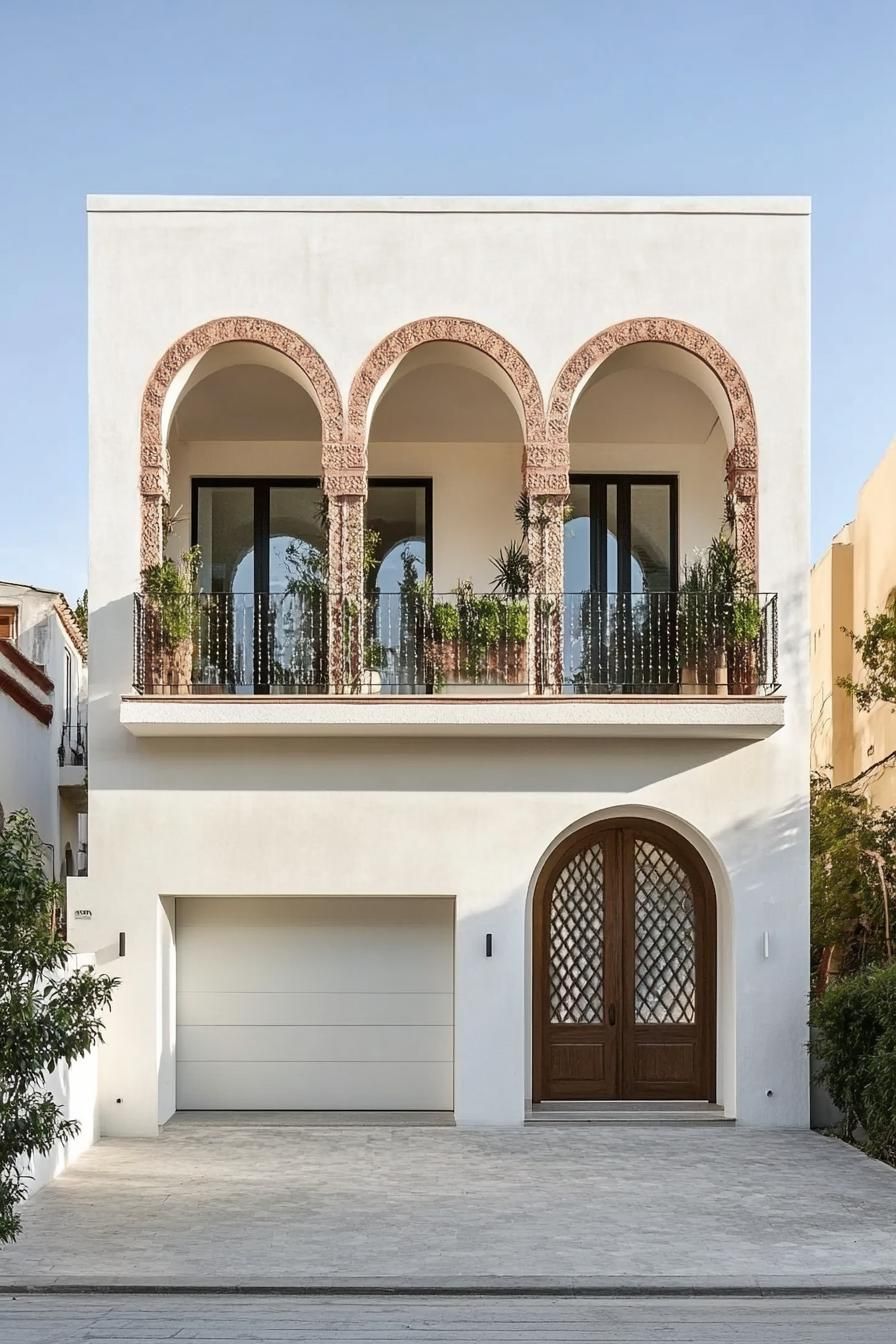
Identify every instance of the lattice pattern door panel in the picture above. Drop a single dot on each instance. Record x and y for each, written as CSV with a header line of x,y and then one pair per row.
x,y
665,939
576,953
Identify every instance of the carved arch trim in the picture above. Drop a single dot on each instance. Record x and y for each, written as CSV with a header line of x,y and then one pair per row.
x,y
154,458
742,462
463,331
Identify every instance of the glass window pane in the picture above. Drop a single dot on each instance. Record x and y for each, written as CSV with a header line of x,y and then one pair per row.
x,y
225,641
397,515
396,525
665,939
295,609
577,540
225,531
577,941
611,568
651,548
297,541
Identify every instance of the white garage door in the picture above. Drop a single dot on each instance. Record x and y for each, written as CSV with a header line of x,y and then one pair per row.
x,y
295,1004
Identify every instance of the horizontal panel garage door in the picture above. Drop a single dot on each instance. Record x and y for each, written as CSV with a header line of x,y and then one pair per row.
x,y
294,1004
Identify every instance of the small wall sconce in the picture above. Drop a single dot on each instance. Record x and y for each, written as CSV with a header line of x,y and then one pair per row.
x,y
488,944
765,944
122,944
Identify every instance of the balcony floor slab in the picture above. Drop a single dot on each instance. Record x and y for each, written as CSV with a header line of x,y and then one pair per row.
x,y
747,718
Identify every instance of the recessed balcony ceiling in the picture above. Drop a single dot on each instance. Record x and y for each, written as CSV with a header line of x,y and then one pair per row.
x,y
642,405
246,402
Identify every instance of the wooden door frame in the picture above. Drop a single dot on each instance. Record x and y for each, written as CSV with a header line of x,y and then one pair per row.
x,y
706,925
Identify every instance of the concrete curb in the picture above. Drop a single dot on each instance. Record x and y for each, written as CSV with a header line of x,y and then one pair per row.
x,y
858,1285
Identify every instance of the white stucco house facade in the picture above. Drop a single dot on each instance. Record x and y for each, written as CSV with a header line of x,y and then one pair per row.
x,y
43,769
43,720
387,825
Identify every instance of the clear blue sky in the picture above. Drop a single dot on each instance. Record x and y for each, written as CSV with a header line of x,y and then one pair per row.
x,y
433,96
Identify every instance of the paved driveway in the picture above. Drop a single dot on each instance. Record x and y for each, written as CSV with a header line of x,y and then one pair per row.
x,y
207,1205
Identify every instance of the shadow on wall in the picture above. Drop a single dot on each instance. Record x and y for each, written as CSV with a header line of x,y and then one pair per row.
x,y
418,765
509,765
74,1089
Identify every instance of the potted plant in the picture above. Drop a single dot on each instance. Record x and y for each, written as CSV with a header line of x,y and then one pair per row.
x,y
693,620
170,617
719,621
746,630
480,639
308,582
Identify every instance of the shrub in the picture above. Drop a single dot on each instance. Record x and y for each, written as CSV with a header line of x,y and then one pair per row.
x,y
169,588
853,869
48,1012
855,1042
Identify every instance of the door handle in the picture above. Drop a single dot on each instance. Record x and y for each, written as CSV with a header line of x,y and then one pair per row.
x,y
611,1015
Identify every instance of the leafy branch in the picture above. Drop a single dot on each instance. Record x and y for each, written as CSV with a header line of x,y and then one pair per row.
x,y
50,1014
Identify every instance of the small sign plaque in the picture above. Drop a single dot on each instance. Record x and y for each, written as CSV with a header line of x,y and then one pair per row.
x,y
83,914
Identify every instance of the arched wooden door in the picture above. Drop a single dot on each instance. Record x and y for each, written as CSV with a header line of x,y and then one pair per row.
x,y
624,959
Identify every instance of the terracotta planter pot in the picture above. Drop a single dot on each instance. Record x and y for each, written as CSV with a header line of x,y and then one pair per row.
x,y
167,670
745,675
503,664
720,674
705,678
693,681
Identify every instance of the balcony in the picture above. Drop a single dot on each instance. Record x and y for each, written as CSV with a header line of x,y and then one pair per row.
x,y
72,750
463,662
72,755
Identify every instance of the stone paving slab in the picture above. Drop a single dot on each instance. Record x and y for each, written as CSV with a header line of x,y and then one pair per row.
x,y
437,1321
260,1207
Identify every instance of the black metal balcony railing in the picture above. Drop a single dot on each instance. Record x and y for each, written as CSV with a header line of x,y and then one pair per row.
x,y
231,643
670,643
73,744
420,643
417,643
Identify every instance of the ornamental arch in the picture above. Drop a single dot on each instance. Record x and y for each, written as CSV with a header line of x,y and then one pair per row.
x,y
512,372
727,383
169,379
626,952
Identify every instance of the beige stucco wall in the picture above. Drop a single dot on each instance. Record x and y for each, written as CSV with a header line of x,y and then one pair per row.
x,y
855,576
831,595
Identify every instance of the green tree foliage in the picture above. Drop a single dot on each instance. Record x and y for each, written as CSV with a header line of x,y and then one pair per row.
x,y
877,650
855,1038
169,586
48,1012
80,614
853,871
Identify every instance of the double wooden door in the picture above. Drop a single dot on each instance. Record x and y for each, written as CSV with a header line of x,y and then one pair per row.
x,y
624,942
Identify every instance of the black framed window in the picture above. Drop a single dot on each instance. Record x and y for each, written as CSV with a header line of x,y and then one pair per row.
x,y
254,533
399,513
622,534
621,575
262,612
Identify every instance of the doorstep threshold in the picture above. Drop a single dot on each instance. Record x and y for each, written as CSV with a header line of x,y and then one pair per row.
x,y
626,1113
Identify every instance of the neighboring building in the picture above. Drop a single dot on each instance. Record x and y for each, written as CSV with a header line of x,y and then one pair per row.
x,y
372,848
856,575
43,681
43,767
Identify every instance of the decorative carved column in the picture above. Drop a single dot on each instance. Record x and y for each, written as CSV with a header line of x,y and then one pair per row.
x,y
345,487
547,486
154,497
743,489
